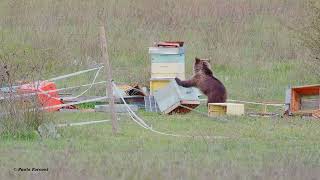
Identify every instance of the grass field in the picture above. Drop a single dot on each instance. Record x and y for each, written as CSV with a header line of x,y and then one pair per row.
x,y
257,148
248,42
252,51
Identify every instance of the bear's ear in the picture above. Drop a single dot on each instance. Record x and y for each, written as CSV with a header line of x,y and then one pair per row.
x,y
197,60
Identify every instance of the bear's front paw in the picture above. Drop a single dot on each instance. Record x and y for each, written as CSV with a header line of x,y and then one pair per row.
x,y
177,80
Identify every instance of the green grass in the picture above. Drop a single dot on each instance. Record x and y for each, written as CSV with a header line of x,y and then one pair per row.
x,y
251,50
262,148
241,38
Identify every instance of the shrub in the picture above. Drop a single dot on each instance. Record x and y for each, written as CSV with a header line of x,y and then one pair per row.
x,y
311,34
19,116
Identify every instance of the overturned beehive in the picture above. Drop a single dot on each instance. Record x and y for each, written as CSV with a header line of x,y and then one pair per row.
x,y
176,99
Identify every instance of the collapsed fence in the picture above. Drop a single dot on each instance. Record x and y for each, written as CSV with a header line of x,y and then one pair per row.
x,y
134,117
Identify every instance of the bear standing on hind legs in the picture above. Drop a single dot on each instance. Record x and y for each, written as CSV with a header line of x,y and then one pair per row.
x,y
206,82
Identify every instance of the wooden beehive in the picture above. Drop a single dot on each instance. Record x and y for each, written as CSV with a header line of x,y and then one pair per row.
x,y
167,60
303,100
218,109
168,70
172,98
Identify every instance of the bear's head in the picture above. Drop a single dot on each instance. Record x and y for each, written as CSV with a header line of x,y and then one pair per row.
x,y
202,66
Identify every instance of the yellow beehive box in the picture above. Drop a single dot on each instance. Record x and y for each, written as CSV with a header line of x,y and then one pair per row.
x,y
218,109
168,68
158,83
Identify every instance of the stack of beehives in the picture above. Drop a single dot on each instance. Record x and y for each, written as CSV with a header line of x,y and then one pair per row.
x,y
167,62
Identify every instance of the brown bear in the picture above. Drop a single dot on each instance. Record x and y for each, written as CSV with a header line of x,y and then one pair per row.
x,y
206,82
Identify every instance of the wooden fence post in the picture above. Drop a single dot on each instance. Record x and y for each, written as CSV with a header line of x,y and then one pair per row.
x,y
104,50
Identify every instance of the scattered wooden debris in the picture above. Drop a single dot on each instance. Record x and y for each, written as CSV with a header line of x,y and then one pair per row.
x,y
133,89
132,94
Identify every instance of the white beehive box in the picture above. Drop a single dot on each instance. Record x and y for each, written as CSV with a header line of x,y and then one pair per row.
x,y
167,60
168,70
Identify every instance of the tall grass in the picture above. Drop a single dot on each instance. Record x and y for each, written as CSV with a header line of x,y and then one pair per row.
x,y
247,41
310,35
19,116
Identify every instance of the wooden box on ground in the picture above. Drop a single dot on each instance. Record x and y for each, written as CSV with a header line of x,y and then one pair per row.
x,y
303,100
171,97
218,109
